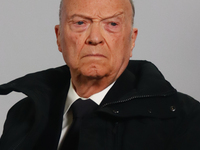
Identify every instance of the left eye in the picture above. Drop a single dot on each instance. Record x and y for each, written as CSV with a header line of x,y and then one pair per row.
x,y
113,24
80,22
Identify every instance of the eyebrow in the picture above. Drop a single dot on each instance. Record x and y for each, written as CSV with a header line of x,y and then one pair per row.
x,y
88,17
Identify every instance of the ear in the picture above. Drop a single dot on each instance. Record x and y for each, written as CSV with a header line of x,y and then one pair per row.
x,y
133,39
57,31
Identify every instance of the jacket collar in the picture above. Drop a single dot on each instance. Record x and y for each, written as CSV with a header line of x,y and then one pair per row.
x,y
140,79
140,91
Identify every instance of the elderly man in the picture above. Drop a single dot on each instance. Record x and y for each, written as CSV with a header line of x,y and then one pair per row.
x,y
100,100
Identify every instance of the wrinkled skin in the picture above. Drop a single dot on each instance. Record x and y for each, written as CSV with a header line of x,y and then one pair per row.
x,y
96,39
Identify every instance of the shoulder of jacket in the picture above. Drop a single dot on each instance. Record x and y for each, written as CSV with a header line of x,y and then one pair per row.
x,y
188,104
21,109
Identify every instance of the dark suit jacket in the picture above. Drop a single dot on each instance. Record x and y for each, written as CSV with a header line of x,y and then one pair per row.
x,y
141,111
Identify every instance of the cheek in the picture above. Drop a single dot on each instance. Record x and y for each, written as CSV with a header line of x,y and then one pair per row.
x,y
72,43
113,40
116,43
77,40
120,46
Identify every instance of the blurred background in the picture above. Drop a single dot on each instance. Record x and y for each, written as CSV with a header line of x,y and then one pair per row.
x,y
168,36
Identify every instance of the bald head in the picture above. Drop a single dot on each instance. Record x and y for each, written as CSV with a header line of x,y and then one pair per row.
x,y
131,2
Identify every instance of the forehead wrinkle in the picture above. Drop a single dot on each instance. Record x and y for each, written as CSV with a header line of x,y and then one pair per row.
x,y
115,15
99,16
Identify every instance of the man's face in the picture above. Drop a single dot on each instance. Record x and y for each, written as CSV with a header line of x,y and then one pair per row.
x,y
96,37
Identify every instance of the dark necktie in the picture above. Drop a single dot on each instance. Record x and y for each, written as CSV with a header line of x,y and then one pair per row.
x,y
80,109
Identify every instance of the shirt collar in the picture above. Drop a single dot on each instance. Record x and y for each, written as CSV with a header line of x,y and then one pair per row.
x,y
72,96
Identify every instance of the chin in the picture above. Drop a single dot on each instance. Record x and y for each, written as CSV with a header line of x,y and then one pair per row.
x,y
95,72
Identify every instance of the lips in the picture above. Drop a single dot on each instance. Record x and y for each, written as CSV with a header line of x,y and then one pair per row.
x,y
94,55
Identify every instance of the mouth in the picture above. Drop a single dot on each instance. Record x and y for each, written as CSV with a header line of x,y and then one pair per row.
x,y
94,55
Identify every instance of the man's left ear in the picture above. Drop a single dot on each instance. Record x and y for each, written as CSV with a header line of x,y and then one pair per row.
x,y
133,39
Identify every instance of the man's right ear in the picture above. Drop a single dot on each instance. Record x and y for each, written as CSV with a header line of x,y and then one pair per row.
x,y
57,31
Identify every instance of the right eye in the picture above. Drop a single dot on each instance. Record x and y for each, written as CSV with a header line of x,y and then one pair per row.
x,y
79,25
113,24
79,22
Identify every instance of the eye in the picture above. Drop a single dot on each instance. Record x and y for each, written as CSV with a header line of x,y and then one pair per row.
x,y
80,22
113,24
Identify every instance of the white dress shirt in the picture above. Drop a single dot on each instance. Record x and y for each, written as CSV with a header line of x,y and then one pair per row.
x,y
72,96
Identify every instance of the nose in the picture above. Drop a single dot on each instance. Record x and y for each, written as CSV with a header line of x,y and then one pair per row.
x,y
95,36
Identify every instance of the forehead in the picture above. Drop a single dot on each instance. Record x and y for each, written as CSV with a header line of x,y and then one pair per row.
x,y
98,8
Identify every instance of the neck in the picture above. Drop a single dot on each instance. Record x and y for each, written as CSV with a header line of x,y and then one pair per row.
x,y
86,86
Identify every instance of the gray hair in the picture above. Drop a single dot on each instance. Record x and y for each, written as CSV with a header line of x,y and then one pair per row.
x,y
133,9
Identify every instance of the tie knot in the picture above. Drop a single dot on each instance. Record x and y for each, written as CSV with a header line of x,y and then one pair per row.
x,y
82,108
